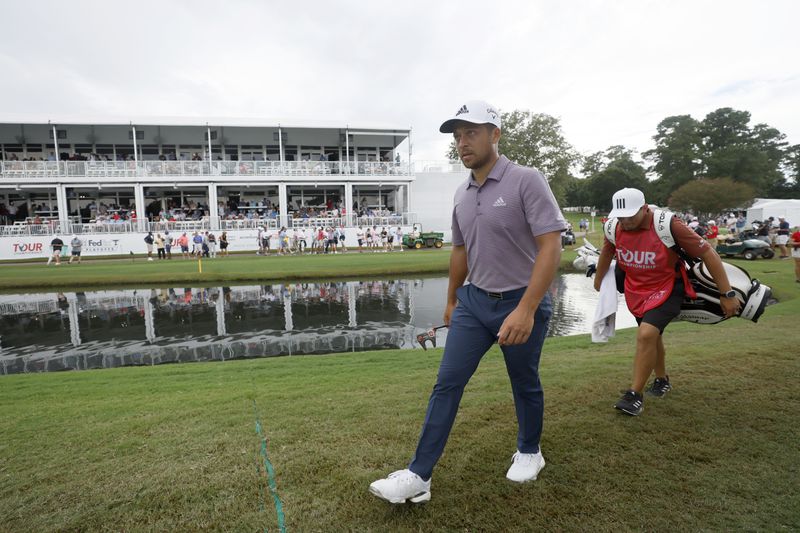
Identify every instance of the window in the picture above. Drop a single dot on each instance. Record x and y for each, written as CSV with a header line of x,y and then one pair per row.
x,y
213,135
283,136
139,135
62,134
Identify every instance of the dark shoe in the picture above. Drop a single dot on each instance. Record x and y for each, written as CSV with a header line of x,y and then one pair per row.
x,y
631,403
659,387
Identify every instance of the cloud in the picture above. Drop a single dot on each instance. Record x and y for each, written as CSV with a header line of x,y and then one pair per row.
x,y
609,70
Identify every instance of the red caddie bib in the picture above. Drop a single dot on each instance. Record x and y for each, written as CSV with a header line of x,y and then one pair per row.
x,y
649,269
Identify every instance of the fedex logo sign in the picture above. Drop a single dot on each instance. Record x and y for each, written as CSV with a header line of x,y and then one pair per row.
x,y
27,248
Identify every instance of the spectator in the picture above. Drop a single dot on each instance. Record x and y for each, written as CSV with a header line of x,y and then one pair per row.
x,y
223,244
212,245
712,233
796,253
159,244
782,237
399,238
148,240
168,244
56,245
740,222
76,245
183,242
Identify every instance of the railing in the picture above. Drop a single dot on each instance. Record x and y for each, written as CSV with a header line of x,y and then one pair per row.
x,y
316,222
103,227
403,219
27,230
179,225
440,166
21,229
268,223
130,169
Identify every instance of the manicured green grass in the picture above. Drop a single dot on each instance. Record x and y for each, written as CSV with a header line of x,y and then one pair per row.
x,y
173,448
237,268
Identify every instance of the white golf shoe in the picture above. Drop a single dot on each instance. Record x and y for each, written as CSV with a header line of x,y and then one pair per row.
x,y
401,486
525,466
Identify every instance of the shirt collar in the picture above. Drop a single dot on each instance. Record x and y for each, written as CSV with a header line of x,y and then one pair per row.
x,y
495,174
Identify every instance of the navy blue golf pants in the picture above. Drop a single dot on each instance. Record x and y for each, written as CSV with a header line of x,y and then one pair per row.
x,y
474,325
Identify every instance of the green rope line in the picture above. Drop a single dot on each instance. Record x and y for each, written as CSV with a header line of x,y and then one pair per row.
x,y
270,471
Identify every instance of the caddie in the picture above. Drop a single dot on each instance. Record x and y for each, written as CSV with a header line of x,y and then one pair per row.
x,y
655,284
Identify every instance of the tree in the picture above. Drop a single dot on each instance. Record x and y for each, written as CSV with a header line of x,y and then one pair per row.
x,y
709,197
676,157
535,140
611,170
789,188
732,149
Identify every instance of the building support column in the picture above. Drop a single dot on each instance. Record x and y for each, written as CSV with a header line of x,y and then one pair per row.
x,y
283,201
348,202
139,207
63,209
213,208
408,201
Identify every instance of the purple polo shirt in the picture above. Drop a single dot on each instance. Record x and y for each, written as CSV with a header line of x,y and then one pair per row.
x,y
497,223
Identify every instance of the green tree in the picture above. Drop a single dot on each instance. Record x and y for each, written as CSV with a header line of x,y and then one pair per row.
x,y
611,170
790,187
709,197
536,140
732,149
676,157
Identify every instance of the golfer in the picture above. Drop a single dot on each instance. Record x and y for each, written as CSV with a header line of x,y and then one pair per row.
x,y
655,284
507,243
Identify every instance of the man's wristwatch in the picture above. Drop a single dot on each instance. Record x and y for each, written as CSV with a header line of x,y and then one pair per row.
x,y
730,294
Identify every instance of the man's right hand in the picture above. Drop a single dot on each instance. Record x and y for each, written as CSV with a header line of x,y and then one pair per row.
x,y
598,281
448,311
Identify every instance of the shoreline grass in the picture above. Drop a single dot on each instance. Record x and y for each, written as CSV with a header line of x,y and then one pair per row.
x,y
173,447
230,270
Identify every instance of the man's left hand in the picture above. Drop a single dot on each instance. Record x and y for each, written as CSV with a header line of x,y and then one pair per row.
x,y
516,327
730,306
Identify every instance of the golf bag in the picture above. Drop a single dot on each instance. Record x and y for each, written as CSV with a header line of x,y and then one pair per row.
x,y
751,293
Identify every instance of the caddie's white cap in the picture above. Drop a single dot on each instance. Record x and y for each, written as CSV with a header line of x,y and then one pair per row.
x,y
626,202
475,111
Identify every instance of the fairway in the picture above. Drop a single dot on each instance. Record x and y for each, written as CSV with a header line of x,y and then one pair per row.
x,y
232,269
174,447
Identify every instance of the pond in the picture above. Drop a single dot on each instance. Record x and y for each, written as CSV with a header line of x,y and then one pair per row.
x,y
41,332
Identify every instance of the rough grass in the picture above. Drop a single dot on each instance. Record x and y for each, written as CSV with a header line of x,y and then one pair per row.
x,y
173,448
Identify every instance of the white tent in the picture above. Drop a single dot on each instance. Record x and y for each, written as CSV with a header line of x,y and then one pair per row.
x,y
763,208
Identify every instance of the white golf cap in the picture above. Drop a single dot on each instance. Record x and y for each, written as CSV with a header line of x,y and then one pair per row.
x,y
475,111
626,202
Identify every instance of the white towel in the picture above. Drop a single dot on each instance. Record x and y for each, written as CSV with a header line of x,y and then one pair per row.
x,y
605,315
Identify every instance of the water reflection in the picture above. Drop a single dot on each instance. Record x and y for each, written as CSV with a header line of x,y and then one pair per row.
x,y
102,329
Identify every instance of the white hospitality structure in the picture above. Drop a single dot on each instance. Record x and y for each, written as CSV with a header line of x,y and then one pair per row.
x,y
113,181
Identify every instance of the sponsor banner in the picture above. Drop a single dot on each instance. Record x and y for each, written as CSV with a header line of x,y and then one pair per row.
x,y
124,243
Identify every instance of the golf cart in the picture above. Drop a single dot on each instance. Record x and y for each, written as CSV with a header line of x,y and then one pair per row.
x,y
567,237
416,239
745,246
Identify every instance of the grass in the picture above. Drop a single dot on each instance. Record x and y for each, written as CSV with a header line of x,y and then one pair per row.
x,y
173,448
233,269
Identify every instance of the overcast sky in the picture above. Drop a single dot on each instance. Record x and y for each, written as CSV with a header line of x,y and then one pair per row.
x,y
609,70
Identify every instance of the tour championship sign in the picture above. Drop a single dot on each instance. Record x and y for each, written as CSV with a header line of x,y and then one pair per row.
x,y
32,247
